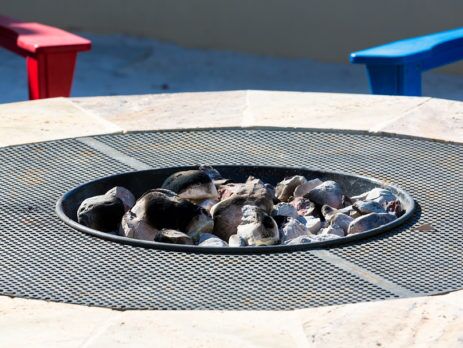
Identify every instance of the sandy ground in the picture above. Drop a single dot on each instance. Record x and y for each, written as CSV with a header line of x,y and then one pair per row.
x,y
122,65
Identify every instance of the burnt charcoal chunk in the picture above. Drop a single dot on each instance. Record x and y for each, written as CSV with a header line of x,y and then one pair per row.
x,y
101,213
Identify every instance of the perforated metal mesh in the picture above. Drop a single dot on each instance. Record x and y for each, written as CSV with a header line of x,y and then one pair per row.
x,y
43,258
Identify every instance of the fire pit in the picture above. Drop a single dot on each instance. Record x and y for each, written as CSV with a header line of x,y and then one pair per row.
x,y
44,258
143,181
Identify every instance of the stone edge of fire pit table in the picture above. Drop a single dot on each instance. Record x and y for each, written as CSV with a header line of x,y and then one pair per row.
x,y
405,322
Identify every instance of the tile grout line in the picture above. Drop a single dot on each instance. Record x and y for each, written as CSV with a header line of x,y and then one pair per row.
x,y
325,255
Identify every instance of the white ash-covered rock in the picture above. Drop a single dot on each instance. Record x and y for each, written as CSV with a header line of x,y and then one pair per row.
x,y
257,227
200,207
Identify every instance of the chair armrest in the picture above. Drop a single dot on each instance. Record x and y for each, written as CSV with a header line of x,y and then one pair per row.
x,y
28,38
425,52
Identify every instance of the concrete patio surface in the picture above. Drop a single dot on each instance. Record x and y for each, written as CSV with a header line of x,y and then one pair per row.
x,y
435,321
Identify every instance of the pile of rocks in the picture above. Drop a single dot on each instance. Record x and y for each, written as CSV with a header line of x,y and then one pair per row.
x,y
200,207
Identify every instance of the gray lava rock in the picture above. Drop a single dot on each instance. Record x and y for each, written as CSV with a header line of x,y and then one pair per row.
x,y
342,221
127,198
213,242
285,188
134,227
257,227
236,241
328,193
291,230
370,221
285,209
333,230
102,213
303,206
227,214
173,237
324,237
367,207
299,240
306,187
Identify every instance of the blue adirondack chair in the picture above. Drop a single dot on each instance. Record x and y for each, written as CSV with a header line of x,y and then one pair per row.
x,y
395,68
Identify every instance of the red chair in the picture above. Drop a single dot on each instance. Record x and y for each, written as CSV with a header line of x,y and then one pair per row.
x,y
50,55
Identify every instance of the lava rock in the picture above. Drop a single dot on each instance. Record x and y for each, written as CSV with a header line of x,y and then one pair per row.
x,y
303,206
227,214
236,241
173,237
132,226
257,227
333,229
291,230
193,185
102,213
299,240
285,209
367,207
328,193
342,221
213,242
306,187
127,198
324,237
313,224
285,188
370,221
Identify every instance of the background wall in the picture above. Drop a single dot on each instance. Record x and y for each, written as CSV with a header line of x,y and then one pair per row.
x,y
325,30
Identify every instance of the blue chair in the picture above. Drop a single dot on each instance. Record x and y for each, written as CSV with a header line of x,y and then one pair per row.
x,y
395,68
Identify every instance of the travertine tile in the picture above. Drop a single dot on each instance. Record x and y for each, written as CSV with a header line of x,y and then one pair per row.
x,y
48,119
170,111
435,321
436,119
203,329
31,323
324,110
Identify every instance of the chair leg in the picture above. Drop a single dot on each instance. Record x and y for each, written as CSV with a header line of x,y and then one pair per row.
x,y
50,75
395,79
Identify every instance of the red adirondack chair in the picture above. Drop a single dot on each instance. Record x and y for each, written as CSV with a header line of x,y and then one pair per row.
x,y
50,55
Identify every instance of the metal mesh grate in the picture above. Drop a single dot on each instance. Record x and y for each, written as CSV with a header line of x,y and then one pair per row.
x,y
43,258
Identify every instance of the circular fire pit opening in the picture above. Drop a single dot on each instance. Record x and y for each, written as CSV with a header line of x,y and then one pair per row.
x,y
142,181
